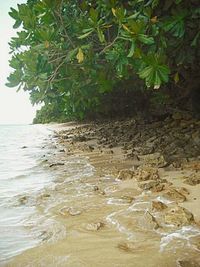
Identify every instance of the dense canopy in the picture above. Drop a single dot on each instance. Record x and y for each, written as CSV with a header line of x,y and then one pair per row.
x,y
72,55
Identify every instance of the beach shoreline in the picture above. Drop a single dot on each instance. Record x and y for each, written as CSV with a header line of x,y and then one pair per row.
x,y
125,168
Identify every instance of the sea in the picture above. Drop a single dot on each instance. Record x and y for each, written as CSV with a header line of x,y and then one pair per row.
x,y
22,152
57,209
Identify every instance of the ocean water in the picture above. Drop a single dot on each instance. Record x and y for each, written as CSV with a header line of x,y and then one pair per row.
x,y
22,150
49,214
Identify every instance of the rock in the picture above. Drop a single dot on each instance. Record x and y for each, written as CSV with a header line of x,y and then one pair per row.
x,y
127,247
80,138
174,195
160,187
158,205
155,159
193,165
128,199
183,191
102,192
96,188
193,179
184,124
133,156
176,164
177,116
144,150
196,137
145,173
155,186
69,211
108,151
56,164
23,200
126,174
45,235
148,185
148,222
91,148
188,263
45,195
94,226
179,216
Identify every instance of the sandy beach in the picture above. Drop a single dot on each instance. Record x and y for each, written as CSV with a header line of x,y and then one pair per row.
x,y
127,193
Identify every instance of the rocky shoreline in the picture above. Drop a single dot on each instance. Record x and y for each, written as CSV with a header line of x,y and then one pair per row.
x,y
161,158
127,189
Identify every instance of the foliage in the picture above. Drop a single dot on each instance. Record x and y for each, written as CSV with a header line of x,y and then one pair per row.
x,y
50,113
70,53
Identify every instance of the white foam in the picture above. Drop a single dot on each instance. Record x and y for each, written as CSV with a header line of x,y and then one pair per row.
x,y
163,200
185,233
110,219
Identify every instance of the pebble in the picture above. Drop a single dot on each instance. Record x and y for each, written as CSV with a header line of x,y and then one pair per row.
x,y
69,211
94,226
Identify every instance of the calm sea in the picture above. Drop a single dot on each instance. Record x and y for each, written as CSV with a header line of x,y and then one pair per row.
x,y
22,149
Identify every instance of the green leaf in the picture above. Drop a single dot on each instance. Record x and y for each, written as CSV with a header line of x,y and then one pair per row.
x,y
145,39
195,40
87,30
157,80
71,54
14,13
132,49
164,73
15,78
146,72
134,16
85,34
94,15
176,24
155,73
100,35
17,24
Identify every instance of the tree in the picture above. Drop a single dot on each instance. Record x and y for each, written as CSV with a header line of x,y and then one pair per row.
x,y
75,52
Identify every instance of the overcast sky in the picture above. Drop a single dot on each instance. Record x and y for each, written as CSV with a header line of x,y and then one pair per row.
x,y
14,107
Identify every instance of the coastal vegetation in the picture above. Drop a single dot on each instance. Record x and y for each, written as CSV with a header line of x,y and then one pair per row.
x,y
121,178
100,58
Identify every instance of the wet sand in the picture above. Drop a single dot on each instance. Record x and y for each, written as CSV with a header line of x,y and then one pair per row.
x,y
112,209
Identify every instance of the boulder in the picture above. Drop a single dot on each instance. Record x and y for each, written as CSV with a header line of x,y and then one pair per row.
x,y
152,185
80,138
145,173
158,205
174,195
155,159
193,179
126,174
179,216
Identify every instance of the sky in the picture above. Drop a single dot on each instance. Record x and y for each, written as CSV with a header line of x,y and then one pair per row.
x,y
15,107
